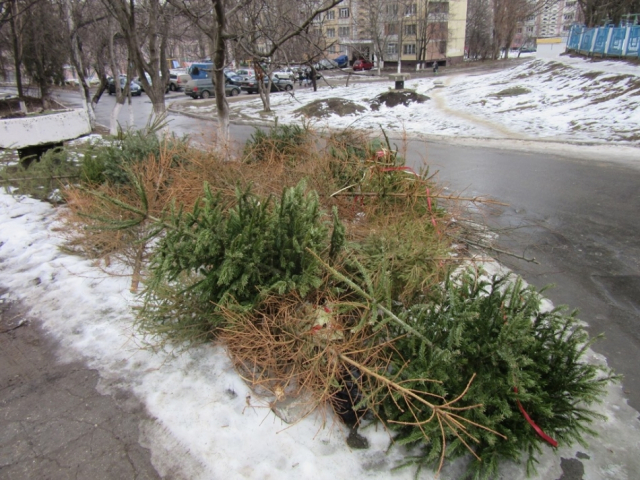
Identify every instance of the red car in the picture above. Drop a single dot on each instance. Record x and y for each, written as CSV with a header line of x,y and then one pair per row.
x,y
362,65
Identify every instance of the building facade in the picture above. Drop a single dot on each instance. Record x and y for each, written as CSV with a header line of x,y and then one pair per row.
x,y
553,20
388,31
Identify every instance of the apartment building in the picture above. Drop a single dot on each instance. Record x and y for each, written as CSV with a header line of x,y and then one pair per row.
x,y
387,31
553,20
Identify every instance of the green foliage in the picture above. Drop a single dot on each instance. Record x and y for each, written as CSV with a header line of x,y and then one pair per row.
x,y
496,330
281,141
230,255
110,163
43,178
348,153
404,261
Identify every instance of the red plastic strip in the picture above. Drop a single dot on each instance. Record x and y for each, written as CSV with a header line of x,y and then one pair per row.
x,y
538,430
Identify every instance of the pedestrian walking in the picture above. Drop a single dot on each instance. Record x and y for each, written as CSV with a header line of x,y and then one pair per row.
x,y
300,77
435,68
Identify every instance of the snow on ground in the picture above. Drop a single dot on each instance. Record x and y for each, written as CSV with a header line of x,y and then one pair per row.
x,y
561,99
203,427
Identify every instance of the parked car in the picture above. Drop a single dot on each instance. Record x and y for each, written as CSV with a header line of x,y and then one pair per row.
x,y
203,88
277,85
177,80
285,73
140,84
233,78
326,64
245,73
342,61
134,88
362,65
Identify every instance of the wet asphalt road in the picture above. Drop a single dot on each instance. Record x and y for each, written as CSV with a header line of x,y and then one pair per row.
x,y
578,217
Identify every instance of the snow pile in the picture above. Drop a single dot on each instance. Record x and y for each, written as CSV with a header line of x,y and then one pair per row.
x,y
553,100
565,99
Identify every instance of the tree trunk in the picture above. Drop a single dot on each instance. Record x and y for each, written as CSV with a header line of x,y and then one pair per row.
x,y
314,78
113,121
76,60
17,54
264,93
219,79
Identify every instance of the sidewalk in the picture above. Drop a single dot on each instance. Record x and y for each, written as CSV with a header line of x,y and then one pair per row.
x,y
54,422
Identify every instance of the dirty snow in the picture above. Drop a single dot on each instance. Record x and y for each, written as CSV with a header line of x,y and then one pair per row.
x,y
578,101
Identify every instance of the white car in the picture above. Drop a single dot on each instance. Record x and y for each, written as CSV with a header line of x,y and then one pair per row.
x,y
285,74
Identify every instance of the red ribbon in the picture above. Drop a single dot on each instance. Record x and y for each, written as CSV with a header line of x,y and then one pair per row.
x,y
538,430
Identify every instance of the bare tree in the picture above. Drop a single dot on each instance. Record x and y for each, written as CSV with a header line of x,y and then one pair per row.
x,y
257,28
479,29
377,21
44,51
507,14
599,12
13,12
121,94
432,32
145,26
271,26
77,60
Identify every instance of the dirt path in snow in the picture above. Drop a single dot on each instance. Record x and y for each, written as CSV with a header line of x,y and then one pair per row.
x,y
438,95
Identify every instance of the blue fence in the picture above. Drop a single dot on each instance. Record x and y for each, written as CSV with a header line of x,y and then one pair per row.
x,y
605,41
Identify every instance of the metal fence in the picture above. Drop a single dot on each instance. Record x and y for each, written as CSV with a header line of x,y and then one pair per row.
x,y
606,41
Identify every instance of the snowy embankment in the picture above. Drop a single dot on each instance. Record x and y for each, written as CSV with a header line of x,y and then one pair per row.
x,y
565,100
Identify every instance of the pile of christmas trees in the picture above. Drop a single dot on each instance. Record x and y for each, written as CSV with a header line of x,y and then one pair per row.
x,y
334,273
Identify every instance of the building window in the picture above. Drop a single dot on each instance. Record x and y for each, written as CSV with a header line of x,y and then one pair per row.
x,y
392,10
438,7
332,49
529,29
331,32
568,16
410,29
392,48
391,29
519,30
409,49
411,9
443,47
570,4
331,15
343,13
344,31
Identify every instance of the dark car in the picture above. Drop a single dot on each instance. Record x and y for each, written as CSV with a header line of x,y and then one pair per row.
x,y
362,65
233,78
203,88
342,61
133,87
277,85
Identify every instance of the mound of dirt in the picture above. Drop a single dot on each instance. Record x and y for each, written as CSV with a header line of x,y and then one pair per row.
x,y
393,98
325,107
